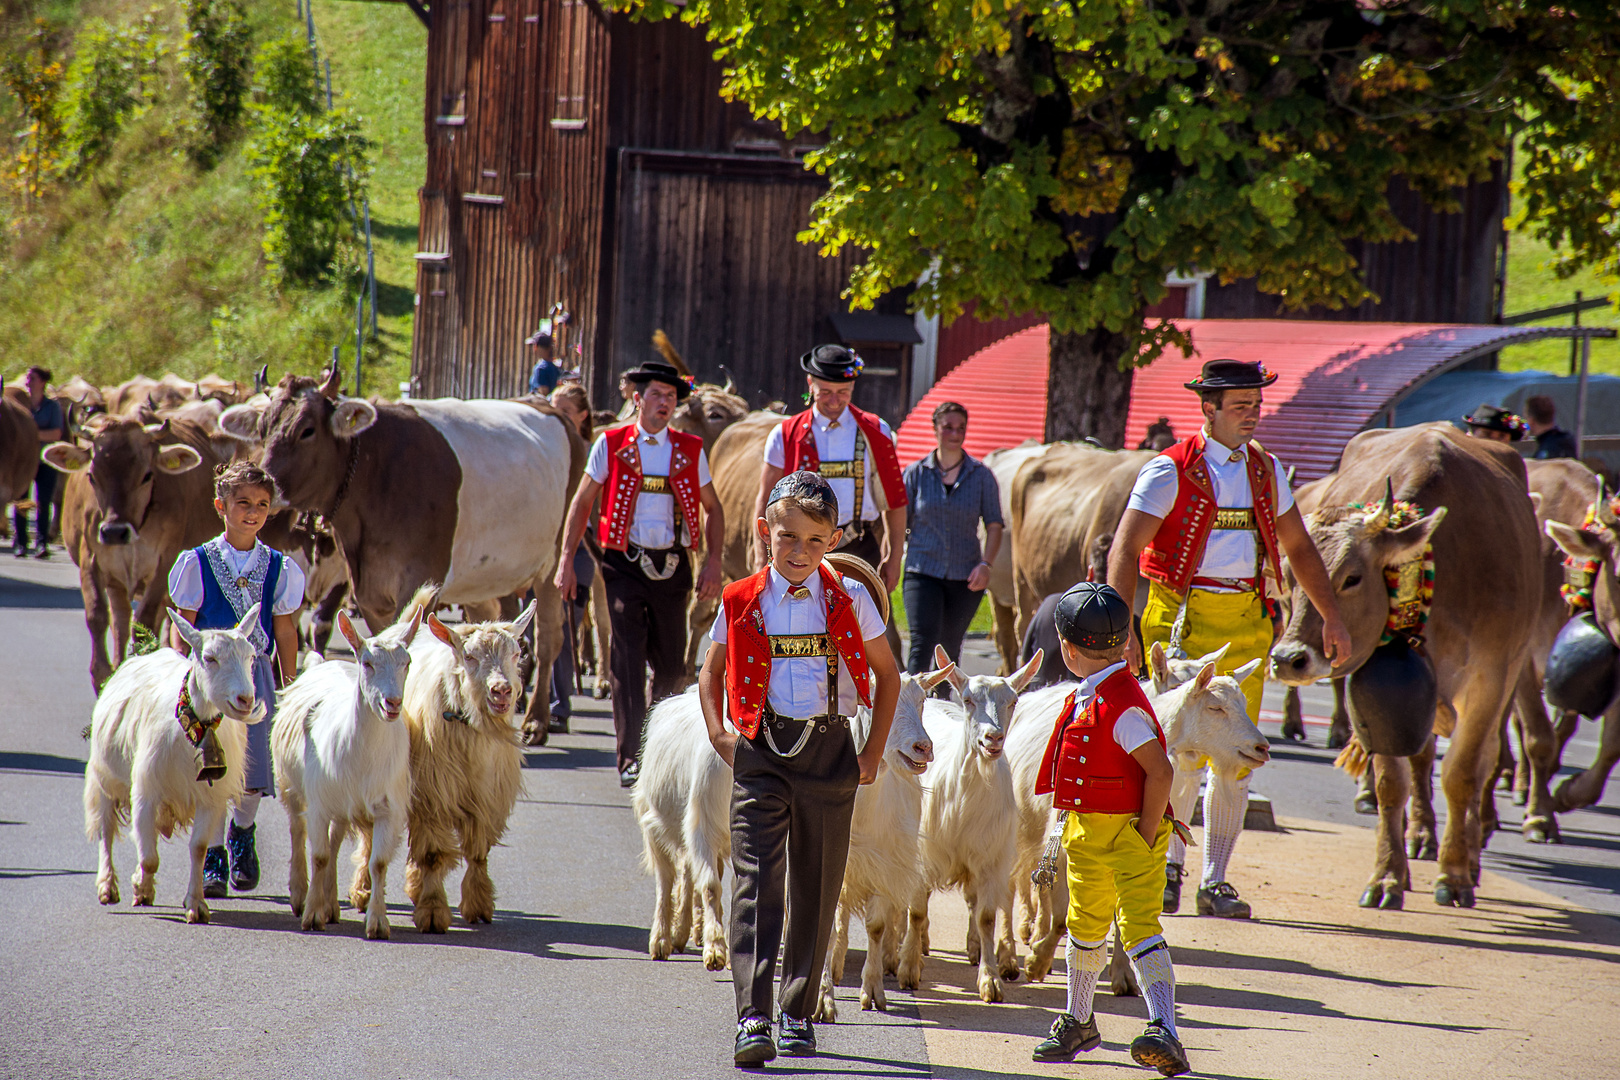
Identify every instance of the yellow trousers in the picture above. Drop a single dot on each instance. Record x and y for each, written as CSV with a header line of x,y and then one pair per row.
x,y
1113,872
1214,619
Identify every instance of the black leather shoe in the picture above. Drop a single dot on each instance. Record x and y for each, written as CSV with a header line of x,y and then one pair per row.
x,y
754,1045
1158,1049
244,858
1222,901
216,865
1069,1037
558,725
630,774
796,1038
1173,875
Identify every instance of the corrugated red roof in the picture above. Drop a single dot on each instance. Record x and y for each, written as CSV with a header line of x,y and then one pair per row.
x,y
1333,380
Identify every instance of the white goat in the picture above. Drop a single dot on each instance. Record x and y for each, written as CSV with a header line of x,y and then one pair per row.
x,y
143,766
344,762
883,871
466,761
968,815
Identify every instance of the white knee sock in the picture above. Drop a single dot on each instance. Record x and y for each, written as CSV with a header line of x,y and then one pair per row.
x,y
1086,964
246,810
1151,962
1223,821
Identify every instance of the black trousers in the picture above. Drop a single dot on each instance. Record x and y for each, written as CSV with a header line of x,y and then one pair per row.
x,y
868,547
562,670
45,496
649,630
788,813
939,611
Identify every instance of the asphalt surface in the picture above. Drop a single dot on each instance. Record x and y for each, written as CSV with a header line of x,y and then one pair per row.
x,y
559,985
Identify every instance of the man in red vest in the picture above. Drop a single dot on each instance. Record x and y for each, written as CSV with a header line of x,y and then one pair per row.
x,y
854,451
797,648
655,485
1208,521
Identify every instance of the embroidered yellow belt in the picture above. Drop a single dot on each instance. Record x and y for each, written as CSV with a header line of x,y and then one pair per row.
x,y
797,646
842,470
654,485
1235,519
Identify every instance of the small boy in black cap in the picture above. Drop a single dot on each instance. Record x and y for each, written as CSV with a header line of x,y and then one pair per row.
x,y
1106,768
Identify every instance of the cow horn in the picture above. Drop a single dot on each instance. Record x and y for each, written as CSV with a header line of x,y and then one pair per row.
x,y
332,383
1380,515
1604,509
158,430
261,379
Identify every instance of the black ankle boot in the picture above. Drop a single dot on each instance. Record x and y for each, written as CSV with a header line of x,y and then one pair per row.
x,y
1173,873
244,859
216,865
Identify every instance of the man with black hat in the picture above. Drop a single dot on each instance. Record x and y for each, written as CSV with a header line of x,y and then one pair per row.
x,y
1208,521
1498,425
854,450
653,482
545,375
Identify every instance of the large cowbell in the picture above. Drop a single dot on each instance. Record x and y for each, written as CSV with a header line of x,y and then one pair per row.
x,y
1582,668
1392,699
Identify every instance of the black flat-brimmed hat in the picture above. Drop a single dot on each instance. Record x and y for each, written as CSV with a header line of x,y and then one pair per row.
x,y
658,371
833,363
1492,418
540,339
1232,375
1093,616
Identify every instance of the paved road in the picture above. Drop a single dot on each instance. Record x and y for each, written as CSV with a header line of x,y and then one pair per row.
x,y
558,986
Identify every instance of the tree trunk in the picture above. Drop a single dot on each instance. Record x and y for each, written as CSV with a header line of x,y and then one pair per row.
x,y
1087,395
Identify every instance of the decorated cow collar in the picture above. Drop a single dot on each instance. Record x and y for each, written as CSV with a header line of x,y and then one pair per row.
x,y
1410,584
1579,574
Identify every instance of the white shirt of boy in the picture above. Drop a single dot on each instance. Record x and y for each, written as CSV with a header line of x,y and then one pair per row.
x,y
653,526
1133,728
799,684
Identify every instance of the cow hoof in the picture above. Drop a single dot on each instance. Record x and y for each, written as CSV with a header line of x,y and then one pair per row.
x,y
990,991
1564,798
1520,798
1423,847
1365,804
1293,731
1385,895
1448,895
1542,830
1337,739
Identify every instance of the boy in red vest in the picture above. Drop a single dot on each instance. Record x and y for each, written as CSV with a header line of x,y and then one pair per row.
x,y
796,646
1106,769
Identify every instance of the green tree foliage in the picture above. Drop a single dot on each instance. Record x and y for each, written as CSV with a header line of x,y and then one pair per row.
x,y
1062,156
284,77
113,77
215,54
309,170
33,74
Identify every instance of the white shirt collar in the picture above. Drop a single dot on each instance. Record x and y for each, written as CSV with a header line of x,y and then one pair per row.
x,y
1088,686
643,435
240,560
1219,453
778,585
822,422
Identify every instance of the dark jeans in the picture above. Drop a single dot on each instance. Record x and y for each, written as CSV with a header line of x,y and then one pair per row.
x,y
45,495
939,611
649,629
789,843
562,671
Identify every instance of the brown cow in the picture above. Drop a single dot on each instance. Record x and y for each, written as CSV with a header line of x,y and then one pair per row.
x,y
1003,465
470,494
1487,574
19,445
135,499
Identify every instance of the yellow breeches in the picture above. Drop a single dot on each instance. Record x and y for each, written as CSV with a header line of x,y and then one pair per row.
x,y
1214,619
1113,872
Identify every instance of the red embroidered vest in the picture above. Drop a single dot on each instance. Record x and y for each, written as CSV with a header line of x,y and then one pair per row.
x,y
1173,555
799,452
1083,767
748,647
624,483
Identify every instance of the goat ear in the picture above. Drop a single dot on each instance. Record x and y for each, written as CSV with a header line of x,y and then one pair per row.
x,y
350,634
249,618
1205,675
410,630
954,675
940,656
520,627
1243,673
1159,665
1577,543
189,633
352,416
178,459
930,679
1215,657
1023,675
446,635
67,458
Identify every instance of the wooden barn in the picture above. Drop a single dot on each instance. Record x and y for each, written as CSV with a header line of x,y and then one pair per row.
x,y
582,160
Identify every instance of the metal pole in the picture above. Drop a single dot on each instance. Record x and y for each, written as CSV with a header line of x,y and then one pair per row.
x,y
329,96
334,358
1575,342
359,337
371,266
1580,394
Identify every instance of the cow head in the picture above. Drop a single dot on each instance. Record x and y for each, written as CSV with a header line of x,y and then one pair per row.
x,y
487,665
221,676
909,748
1208,717
124,460
1356,545
383,661
707,412
1599,543
989,701
306,428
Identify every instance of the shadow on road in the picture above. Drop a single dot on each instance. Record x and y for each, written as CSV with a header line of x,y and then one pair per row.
x,y
28,594
48,763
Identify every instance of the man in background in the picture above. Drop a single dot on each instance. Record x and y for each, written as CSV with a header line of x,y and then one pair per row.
x,y
1552,441
48,419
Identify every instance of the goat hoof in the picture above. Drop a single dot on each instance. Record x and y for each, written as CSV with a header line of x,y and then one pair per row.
x,y
1036,970
141,900
377,931
108,893
870,1001
1520,798
1542,830
359,900
909,976
659,948
1010,972
1121,987
826,1010
197,916
714,959
990,990
432,920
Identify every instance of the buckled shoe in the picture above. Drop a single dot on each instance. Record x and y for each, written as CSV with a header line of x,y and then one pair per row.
x,y
754,1045
1173,875
1222,901
1069,1037
796,1038
216,865
244,857
1158,1049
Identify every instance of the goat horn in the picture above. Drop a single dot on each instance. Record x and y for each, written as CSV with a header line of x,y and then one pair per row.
x,y
332,383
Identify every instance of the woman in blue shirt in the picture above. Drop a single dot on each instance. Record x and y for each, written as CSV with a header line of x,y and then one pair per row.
x,y
950,493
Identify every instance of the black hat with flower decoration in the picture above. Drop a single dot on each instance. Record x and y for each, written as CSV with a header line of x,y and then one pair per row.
x,y
833,363
1232,375
1492,418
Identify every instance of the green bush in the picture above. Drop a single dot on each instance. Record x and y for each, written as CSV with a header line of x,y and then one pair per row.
x,y
214,59
33,74
307,172
284,77
112,79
